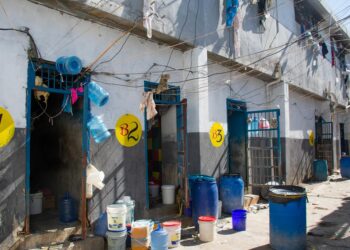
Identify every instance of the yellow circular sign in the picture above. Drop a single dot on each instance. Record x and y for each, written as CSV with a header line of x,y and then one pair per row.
x,y
7,127
217,135
311,137
128,130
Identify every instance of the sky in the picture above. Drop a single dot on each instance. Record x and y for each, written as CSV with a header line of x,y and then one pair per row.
x,y
340,8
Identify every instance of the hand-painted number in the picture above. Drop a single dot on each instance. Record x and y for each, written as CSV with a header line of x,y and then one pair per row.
x,y
0,118
216,134
124,131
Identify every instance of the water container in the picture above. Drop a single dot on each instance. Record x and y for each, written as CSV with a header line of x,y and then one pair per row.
x,y
207,226
239,219
174,231
287,217
320,170
98,129
67,209
68,65
100,227
97,94
141,234
231,192
116,240
204,198
36,203
159,239
116,217
168,194
345,167
192,178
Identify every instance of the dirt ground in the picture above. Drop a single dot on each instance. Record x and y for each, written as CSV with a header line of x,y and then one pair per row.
x,y
328,222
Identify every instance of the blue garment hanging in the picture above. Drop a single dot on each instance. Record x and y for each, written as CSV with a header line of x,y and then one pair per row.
x,y
67,104
231,11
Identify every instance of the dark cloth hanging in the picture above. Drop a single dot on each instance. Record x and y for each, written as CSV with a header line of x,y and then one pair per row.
x,y
262,12
333,52
324,49
231,11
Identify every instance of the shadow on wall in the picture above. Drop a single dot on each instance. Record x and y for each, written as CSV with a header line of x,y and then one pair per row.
x,y
303,164
125,174
333,230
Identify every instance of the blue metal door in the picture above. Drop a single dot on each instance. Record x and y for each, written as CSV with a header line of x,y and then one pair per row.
x,y
264,147
324,142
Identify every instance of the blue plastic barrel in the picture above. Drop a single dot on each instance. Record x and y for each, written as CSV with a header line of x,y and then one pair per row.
x,y
68,65
97,94
345,167
98,129
320,170
239,218
287,217
159,239
67,209
205,198
231,192
101,227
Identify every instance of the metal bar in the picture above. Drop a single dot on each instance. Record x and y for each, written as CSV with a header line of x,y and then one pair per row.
x,y
85,144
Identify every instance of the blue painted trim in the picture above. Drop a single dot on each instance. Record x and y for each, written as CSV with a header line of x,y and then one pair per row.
x,y
146,157
30,83
55,91
147,87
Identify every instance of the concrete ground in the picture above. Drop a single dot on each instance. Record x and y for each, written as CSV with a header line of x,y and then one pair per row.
x,y
328,222
328,226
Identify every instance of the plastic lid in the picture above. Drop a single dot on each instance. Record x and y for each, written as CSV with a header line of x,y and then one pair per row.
x,y
207,218
172,223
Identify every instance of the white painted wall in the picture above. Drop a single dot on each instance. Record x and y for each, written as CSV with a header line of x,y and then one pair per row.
x,y
58,34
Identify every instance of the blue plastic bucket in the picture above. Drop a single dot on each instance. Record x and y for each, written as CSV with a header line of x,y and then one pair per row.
x,y
239,218
97,94
68,65
345,167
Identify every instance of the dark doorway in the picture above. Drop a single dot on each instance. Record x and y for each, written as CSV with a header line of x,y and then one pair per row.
x,y
237,129
344,146
55,158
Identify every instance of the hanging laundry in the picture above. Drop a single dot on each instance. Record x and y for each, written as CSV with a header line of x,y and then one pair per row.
x,y
149,104
236,34
74,93
262,12
67,104
149,12
231,11
324,49
333,52
38,94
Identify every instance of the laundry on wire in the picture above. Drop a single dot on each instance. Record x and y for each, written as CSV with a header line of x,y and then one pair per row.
x,y
148,104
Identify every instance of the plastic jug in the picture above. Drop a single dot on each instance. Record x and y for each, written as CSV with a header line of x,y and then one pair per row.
x,y
68,65
159,239
98,129
97,94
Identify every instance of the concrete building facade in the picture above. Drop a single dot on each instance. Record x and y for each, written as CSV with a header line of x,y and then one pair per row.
x,y
263,61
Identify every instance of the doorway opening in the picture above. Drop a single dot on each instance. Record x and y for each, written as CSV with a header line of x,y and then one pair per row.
x,y
324,142
165,148
344,146
57,137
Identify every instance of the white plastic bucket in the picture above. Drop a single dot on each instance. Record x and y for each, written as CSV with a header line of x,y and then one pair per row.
x,y
219,209
168,194
116,217
154,190
173,229
207,226
116,240
36,203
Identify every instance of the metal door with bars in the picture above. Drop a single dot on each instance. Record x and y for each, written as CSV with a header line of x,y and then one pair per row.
x,y
264,148
324,142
